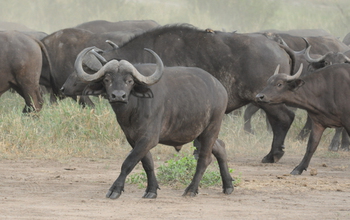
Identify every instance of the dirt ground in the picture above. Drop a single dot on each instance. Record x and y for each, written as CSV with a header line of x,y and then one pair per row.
x,y
75,189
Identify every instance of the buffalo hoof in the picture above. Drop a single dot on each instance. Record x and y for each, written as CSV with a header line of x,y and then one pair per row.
x,y
149,195
297,171
196,154
228,191
345,148
189,194
333,147
113,195
273,158
249,130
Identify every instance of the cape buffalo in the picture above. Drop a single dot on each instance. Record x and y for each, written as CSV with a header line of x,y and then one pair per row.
x,y
239,61
168,105
20,67
322,94
322,61
6,26
300,32
296,45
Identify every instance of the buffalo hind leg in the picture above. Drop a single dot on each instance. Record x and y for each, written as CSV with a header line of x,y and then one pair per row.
x,y
203,161
345,141
280,118
248,114
314,140
34,101
32,97
28,87
334,145
305,131
219,152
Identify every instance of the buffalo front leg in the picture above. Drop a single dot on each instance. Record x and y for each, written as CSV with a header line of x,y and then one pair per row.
x,y
138,153
314,140
152,183
280,118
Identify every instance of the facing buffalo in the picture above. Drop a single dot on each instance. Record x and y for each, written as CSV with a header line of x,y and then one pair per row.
x,y
239,61
168,105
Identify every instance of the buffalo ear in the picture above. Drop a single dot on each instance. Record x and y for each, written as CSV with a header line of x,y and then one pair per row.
x,y
95,88
142,91
295,84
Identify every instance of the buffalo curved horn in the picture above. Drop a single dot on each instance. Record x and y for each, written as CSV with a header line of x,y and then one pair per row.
x,y
91,77
303,51
283,42
114,45
146,80
98,56
347,58
297,74
312,60
277,69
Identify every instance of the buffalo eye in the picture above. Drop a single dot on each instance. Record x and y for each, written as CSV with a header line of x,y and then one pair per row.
x,y
279,84
129,81
106,80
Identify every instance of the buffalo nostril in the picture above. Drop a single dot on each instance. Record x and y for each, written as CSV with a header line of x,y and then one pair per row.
x,y
118,95
259,97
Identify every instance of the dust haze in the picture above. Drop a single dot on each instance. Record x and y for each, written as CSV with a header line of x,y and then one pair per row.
x,y
228,15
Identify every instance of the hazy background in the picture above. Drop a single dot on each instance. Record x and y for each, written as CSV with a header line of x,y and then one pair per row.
x,y
230,15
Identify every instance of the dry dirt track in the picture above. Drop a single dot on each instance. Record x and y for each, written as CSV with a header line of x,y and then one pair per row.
x,y
46,189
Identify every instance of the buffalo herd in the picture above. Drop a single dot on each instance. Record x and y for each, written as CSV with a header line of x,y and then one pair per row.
x,y
198,76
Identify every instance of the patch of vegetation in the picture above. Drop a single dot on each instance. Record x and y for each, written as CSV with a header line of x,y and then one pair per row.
x,y
140,179
178,172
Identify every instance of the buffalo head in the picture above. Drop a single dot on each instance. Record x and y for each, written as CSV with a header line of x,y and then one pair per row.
x,y
92,63
279,85
118,79
325,60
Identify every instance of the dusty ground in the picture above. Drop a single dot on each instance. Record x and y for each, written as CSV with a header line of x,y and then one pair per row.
x,y
46,189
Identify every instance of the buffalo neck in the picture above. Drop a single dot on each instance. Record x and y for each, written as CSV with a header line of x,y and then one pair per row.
x,y
126,112
311,95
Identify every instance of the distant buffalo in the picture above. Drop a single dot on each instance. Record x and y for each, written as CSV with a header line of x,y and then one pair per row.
x,y
133,26
21,61
322,94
